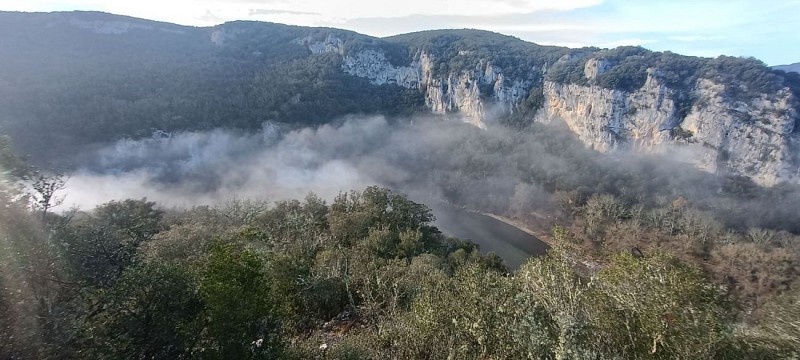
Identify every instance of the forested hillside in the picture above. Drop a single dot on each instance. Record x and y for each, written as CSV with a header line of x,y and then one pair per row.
x,y
78,78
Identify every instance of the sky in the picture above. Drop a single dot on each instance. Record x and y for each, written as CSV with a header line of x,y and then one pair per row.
x,y
765,29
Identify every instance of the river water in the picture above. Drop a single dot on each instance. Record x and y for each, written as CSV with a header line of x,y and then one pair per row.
x,y
515,246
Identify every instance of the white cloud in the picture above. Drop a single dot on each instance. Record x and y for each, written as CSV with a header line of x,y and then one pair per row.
x,y
343,10
539,27
628,42
569,44
306,12
693,38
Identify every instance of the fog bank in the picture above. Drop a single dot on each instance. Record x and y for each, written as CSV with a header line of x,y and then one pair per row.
x,y
498,170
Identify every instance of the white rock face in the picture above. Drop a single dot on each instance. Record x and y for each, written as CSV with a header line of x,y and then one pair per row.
x,y
754,139
374,66
222,34
595,67
330,44
606,119
452,92
448,93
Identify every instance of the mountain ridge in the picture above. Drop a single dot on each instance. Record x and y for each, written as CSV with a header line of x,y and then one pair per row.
x,y
789,67
734,115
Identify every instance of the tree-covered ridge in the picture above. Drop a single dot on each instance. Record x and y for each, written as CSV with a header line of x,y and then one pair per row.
x,y
624,68
744,78
459,50
789,68
68,83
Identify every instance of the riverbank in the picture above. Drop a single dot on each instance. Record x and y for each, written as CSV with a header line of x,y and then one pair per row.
x,y
542,235
585,266
511,242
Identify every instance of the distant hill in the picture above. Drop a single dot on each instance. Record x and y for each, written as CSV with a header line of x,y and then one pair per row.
x,y
73,78
791,67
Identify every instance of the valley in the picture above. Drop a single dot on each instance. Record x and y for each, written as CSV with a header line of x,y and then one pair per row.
x,y
260,190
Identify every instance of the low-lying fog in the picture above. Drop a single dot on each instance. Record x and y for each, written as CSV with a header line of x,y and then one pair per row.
x,y
195,168
497,170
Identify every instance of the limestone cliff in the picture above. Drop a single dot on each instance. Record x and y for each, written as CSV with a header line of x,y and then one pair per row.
x,y
454,92
754,137
607,119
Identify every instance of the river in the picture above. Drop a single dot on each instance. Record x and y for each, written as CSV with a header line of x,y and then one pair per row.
x,y
512,244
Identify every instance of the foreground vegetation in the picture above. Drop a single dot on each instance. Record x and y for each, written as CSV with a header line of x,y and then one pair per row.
x,y
650,266
364,277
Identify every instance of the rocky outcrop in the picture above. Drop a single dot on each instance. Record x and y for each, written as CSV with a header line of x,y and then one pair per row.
x,y
595,67
756,139
463,92
222,35
607,119
373,65
330,44
444,93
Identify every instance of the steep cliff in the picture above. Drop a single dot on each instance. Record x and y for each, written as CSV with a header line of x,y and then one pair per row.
x,y
754,136
463,91
755,139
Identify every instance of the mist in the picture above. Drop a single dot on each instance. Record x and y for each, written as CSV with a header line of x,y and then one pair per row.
x,y
193,168
497,170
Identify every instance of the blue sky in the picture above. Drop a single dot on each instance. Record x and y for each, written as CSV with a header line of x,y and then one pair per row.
x,y
765,29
